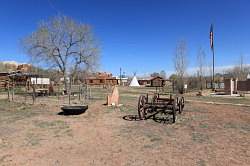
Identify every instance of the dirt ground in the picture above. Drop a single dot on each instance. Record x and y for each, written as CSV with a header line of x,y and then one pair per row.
x,y
204,134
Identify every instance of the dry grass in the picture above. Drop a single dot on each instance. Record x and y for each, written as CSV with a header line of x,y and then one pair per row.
x,y
203,135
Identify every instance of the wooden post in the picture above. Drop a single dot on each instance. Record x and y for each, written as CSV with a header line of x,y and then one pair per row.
x,y
84,92
79,97
13,90
26,92
58,92
89,97
173,85
69,93
34,94
8,86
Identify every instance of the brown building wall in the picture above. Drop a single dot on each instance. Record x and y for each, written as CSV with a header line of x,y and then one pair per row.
x,y
227,85
24,67
244,85
154,82
157,82
143,82
102,81
3,81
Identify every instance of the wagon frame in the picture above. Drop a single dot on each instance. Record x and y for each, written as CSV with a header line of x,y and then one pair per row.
x,y
160,105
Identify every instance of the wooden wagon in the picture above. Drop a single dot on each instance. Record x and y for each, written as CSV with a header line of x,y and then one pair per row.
x,y
166,105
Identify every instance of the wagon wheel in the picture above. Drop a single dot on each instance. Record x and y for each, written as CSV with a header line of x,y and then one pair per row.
x,y
154,99
174,111
178,102
141,107
182,102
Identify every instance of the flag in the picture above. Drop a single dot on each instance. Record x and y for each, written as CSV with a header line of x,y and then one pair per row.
x,y
212,37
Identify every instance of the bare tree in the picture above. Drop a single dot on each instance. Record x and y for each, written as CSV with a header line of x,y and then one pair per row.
x,y
155,74
180,63
241,74
64,44
163,74
240,71
201,56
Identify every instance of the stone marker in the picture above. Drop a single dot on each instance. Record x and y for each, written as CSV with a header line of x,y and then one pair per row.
x,y
113,99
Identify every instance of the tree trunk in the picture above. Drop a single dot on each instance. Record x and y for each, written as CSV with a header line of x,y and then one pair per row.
x,y
65,83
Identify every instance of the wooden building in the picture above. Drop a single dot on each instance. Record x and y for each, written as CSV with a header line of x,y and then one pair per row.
x,y
24,67
157,82
244,85
101,79
145,81
4,78
232,85
152,81
18,78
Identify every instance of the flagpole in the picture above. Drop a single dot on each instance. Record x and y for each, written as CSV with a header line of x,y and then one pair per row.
x,y
213,86
212,47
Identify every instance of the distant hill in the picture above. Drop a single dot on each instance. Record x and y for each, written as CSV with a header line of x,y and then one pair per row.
x,y
9,66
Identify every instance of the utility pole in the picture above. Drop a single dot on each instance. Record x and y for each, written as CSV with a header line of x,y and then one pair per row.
x,y
120,75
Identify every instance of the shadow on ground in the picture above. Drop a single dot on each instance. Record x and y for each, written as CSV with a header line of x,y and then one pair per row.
x,y
166,119
69,114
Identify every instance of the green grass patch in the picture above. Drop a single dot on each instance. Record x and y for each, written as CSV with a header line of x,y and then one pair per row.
x,y
204,126
11,112
199,137
221,99
230,125
239,127
57,127
128,108
201,162
32,139
57,124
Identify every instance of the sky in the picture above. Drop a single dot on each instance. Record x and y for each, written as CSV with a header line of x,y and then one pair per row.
x,y
138,35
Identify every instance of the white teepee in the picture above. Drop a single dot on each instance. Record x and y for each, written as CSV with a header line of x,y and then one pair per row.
x,y
134,82
248,76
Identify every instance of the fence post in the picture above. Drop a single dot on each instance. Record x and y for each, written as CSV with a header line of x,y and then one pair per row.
x,y
8,86
90,93
173,84
26,92
79,92
13,90
34,94
69,92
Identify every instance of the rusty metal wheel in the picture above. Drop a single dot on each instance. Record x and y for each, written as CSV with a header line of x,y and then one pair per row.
x,y
141,107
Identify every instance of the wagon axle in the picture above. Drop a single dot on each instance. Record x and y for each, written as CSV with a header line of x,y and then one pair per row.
x,y
164,105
